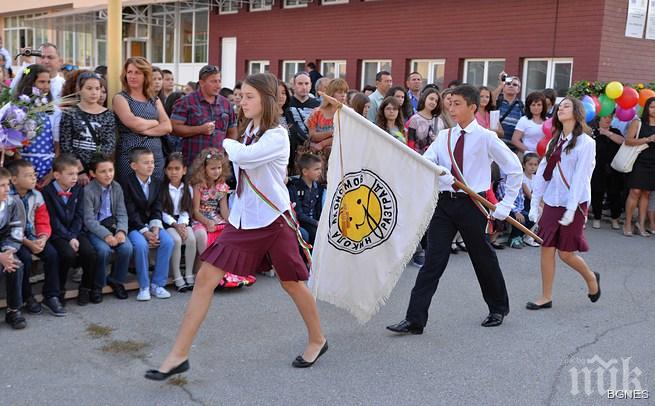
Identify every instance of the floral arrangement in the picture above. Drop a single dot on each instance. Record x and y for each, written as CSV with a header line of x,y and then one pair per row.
x,y
19,120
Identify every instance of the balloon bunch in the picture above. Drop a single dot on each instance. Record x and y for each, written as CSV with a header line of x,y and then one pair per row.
x,y
624,101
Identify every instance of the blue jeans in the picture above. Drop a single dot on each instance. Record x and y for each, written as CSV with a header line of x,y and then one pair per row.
x,y
123,254
162,261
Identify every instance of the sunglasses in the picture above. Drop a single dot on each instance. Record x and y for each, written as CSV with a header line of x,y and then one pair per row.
x,y
208,70
512,84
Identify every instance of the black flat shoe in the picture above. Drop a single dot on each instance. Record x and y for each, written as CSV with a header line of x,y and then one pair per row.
x,y
596,295
497,246
300,362
406,327
461,246
493,320
156,375
534,306
118,290
453,248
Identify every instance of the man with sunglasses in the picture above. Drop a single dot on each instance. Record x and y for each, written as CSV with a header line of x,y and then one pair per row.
x,y
51,60
204,118
509,103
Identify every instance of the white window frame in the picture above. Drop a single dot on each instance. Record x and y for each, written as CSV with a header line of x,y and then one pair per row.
x,y
284,66
228,7
194,12
486,68
380,62
296,3
260,5
261,63
337,64
431,64
550,71
332,2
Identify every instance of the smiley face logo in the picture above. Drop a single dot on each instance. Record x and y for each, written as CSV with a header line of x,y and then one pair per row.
x,y
362,213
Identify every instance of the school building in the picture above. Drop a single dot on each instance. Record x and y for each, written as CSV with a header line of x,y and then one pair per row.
x,y
547,43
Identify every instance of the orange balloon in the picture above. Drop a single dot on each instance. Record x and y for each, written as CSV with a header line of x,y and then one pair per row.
x,y
644,95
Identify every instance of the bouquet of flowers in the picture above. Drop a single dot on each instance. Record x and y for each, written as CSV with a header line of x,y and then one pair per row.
x,y
19,120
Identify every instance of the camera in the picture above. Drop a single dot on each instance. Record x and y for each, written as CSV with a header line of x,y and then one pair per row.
x,y
508,79
29,52
503,78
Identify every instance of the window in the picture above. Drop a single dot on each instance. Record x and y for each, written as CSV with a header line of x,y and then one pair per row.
x,y
228,7
328,2
333,69
290,68
483,72
193,31
539,74
162,33
431,70
371,68
295,3
260,5
258,67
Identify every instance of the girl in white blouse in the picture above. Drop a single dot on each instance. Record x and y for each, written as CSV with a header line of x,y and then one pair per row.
x,y
259,227
563,183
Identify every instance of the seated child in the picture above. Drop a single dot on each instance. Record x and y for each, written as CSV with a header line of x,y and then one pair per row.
x,y
64,199
105,219
177,202
35,240
307,195
143,203
12,224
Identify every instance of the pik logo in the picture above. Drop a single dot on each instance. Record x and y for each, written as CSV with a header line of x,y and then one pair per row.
x,y
363,212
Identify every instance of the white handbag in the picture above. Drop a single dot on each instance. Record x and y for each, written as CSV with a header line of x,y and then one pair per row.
x,y
627,155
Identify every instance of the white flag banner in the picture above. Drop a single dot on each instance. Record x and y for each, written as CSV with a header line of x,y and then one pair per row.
x,y
380,198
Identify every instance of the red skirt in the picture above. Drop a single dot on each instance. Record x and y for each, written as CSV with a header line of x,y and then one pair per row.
x,y
245,252
565,238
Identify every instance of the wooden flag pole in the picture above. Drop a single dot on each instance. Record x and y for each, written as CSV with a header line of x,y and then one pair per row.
x,y
486,203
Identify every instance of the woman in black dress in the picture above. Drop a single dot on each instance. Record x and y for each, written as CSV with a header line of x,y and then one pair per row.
x,y
641,181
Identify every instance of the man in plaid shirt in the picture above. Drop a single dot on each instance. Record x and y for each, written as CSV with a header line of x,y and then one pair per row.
x,y
204,118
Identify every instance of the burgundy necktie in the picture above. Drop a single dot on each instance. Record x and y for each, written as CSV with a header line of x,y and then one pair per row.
x,y
459,159
65,194
553,160
249,139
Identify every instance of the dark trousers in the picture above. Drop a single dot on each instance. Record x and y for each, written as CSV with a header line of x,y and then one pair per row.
x,y
50,261
606,180
450,216
13,282
85,257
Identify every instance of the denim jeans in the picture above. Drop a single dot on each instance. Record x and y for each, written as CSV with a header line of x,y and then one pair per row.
x,y
123,254
162,261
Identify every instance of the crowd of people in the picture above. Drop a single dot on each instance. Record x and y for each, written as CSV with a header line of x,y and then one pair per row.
x,y
97,185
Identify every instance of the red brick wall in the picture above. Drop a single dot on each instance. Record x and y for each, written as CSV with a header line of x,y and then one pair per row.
x,y
402,30
622,58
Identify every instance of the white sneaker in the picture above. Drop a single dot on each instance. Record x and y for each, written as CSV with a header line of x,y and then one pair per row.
x,y
144,295
527,240
159,292
595,224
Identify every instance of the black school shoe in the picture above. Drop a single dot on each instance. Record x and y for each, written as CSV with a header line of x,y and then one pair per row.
x,y
15,319
95,296
54,306
32,306
83,296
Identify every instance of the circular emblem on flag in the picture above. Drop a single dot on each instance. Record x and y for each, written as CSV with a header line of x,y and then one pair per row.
x,y
363,212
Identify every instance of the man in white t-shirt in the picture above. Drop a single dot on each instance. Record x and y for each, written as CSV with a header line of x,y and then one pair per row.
x,y
50,59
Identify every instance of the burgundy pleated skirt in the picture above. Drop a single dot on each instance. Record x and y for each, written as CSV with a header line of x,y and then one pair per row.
x,y
245,252
565,238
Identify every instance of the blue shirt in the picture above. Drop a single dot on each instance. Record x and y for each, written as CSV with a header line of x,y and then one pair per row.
x,y
105,204
145,186
59,189
413,100
512,118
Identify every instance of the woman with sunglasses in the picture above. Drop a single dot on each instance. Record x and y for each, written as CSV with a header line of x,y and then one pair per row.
x,y
88,128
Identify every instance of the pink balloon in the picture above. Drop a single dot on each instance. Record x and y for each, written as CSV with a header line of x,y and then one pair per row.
x,y
547,127
625,114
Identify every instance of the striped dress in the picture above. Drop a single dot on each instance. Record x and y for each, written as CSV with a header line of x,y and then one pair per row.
x,y
129,140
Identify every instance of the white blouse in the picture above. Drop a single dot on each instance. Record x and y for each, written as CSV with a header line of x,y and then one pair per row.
x,y
266,164
176,197
577,167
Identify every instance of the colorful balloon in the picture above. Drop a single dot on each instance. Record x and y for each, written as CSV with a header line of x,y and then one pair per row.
x,y
644,95
596,103
628,99
547,127
590,111
614,90
625,114
606,106
543,144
